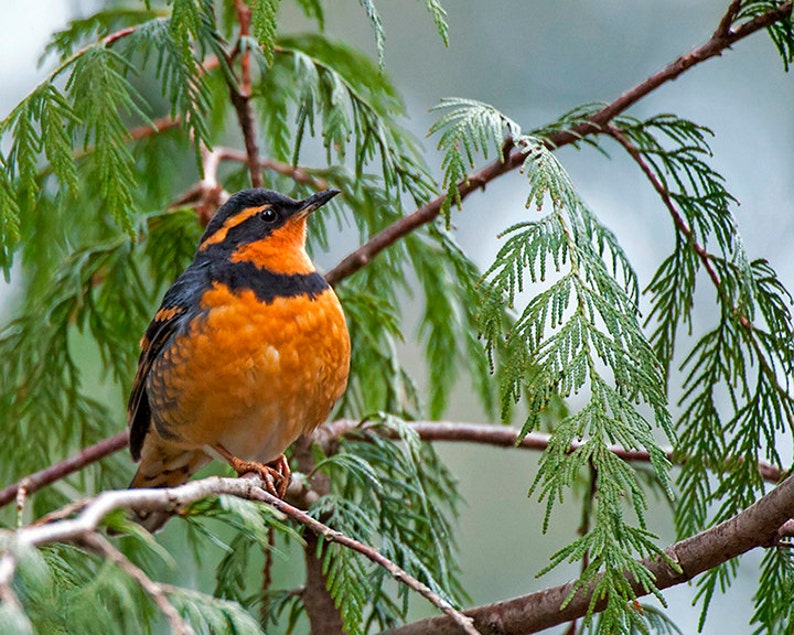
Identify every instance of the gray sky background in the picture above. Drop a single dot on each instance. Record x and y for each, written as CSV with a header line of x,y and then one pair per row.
x,y
535,60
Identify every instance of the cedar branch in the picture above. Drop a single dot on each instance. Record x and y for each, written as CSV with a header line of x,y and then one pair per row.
x,y
83,528
757,526
719,42
706,260
481,433
241,98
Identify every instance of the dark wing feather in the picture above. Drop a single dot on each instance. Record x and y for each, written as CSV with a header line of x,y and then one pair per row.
x,y
179,305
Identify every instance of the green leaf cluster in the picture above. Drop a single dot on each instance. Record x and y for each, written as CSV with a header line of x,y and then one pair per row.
x,y
578,333
744,359
389,491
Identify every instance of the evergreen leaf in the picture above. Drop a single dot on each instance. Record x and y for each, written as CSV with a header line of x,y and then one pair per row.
x,y
263,23
470,128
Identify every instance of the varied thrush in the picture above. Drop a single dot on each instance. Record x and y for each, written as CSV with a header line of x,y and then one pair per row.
x,y
248,351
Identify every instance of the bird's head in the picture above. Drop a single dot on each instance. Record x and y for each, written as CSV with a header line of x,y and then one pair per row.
x,y
263,227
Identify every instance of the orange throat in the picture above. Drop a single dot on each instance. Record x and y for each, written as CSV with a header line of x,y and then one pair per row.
x,y
283,251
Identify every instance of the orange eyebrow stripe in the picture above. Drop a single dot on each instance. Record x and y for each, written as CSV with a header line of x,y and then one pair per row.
x,y
233,221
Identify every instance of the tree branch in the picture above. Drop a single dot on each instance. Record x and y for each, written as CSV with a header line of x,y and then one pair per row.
x,y
756,526
241,99
718,42
93,453
482,433
83,528
503,437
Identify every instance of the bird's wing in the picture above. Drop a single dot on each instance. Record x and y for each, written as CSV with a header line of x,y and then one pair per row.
x,y
178,307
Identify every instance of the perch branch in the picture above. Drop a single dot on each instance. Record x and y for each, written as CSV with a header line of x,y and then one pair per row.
x,y
760,525
83,528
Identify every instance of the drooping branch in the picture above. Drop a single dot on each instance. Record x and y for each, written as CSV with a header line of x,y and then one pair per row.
x,y
705,260
678,220
757,526
83,528
720,41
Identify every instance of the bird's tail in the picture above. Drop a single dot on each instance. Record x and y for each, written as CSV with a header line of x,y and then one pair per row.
x,y
167,469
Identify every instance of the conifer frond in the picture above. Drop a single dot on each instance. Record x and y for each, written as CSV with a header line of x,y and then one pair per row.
x,y
781,32
377,379
580,332
408,512
43,386
9,218
774,612
745,358
644,619
448,327
357,105
568,121
208,614
313,9
174,44
82,31
377,27
468,130
440,18
264,25
101,94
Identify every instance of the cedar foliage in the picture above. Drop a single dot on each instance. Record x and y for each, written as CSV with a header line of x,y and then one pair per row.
x,y
556,314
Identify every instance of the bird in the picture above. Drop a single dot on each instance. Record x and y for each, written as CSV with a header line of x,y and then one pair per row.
x,y
249,350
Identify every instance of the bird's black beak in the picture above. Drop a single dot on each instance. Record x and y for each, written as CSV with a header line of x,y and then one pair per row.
x,y
315,201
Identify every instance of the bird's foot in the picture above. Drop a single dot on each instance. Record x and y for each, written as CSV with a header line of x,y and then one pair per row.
x,y
276,474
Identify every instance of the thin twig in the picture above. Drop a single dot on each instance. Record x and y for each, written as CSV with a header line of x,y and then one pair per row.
x,y
429,212
296,173
371,554
99,544
724,27
481,433
267,577
93,453
241,98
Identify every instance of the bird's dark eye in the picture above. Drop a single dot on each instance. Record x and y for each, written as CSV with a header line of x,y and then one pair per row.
x,y
269,216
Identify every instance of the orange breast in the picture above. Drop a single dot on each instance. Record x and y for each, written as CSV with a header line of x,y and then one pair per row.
x,y
252,376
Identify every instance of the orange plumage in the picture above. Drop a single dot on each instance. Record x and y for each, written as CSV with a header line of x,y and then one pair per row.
x,y
248,351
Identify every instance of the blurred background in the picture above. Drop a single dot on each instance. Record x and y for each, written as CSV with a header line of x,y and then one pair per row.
x,y
534,60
